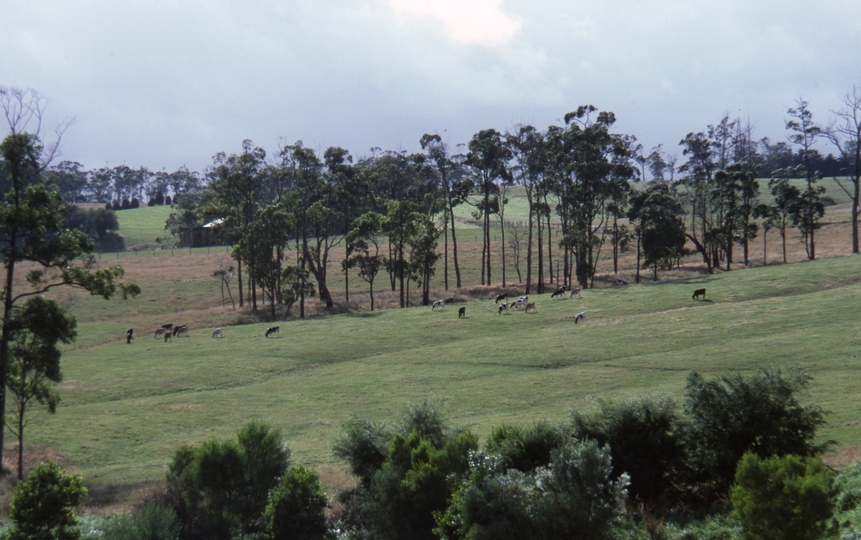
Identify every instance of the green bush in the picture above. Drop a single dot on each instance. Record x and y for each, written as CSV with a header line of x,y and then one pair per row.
x,y
527,448
573,496
783,497
644,436
221,488
42,506
296,508
154,522
734,414
407,472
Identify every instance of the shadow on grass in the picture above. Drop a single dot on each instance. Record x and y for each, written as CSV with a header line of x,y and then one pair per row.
x,y
111,243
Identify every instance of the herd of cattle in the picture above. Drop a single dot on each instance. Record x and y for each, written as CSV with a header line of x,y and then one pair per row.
x,y
503,305
168,331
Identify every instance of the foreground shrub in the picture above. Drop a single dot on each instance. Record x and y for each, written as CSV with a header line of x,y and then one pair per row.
x,y
220,489
154,522
760,414
783,497
42,506
573,496
296,508
644,437
407,472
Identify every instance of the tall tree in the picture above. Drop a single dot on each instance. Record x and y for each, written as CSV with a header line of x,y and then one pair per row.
x,y
526,145
845,134
487,157
238,193
34,365
446,170
803,133
32,231
364,240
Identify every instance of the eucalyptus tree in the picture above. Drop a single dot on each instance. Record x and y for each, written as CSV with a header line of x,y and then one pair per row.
x,y
316,223
487,157
70,180
272,230
363,242
598,163
526,145
660,230
423,252
845,134
734,199
351,196
786,200
34,368
697,184
454,194
400,223
238,190
803,133
32,231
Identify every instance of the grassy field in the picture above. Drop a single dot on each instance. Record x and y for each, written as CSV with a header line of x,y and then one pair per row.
x,y
126,408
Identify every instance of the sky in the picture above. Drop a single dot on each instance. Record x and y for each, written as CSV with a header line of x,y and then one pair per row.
x,y
167,83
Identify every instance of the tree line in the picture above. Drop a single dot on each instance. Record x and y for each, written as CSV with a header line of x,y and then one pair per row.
x,y
390,211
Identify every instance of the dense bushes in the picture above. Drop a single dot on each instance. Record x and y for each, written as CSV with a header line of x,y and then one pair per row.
x,y
419,478
43,506
734,414
222,488
783,497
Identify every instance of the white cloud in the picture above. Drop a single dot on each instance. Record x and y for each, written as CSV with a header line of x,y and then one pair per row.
x,y
466,21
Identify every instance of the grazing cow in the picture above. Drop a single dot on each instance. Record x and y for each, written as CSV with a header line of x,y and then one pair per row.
x,y
503,307
521,302
580,317
168,326
160,332
180,329
130,335
218,332
461,313
575,292
273,330
167,336
500,297
438,304
621,282
698,293
559,292
531,306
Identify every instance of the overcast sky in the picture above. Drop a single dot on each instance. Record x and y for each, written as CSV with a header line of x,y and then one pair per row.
x,y
165,83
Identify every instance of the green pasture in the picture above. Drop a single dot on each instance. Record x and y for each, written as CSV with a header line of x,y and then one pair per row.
x,y
143,225
126,408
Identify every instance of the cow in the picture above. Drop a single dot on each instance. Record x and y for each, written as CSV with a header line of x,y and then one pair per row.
x,y
575,292
521,302
167,336
130,335
461,313
438,304
500,297
698,293
559,292
580,317
168,326
218,332
273,330
180,329
160,332
531,305
503,307
621,282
